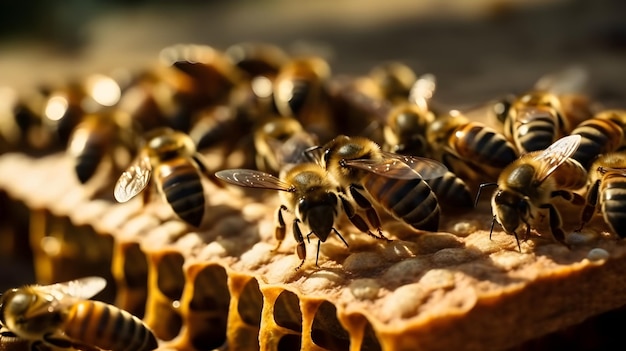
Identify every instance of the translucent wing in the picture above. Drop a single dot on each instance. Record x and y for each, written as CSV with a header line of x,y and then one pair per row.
x,y
572,79
422,90
252,179
555,155
68,292
134,179
314,154
401,166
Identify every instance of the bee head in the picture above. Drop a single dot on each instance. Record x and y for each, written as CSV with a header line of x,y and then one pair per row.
x,y
318,211
511,210
28,315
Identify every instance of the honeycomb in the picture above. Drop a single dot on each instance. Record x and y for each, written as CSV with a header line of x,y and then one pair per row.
x,y
226,287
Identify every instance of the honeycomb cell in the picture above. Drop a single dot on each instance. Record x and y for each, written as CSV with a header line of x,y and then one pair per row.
x,y
166,281
130,271
250,303
287,312
370,341
326,330
205,312
289,342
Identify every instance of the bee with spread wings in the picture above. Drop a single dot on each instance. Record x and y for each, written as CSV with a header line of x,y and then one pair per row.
x,y
62,316
307,191
169,161
530,184
397,183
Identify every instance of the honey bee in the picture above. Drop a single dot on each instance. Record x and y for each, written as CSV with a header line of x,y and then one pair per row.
x,y
607,184
472,150
310,194
406,122
61,315
65,106
530,184
257,59
300,91
280,141
395,80
534,120
603,133
177,168
98,137
389,180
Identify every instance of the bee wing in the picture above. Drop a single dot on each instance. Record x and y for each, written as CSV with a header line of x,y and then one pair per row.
x,y
62,294
556,154
252,179
572,79
314,154
620,171
401,166
134,179
422,90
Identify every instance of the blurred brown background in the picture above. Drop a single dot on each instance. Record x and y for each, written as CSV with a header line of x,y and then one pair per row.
x,y
477,49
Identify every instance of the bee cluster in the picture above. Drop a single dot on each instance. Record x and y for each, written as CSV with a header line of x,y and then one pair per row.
x,y
376,148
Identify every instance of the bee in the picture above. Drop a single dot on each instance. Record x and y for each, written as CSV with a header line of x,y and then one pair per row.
x,y
607,189
530,184
389,180
310,194
61,315
65,106
281,141
472,150
257,59
178,169
395,80
300,90
603,133
98,137
406,122
534,120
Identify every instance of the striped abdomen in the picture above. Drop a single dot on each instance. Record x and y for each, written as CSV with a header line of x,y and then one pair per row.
x,y
613,202
532,129
180,183
451,191
598,136
482,145
411,201
99,324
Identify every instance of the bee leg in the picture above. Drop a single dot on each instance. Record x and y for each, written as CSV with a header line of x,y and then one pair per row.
x,y
370,212
555,224
300,249
493,223
357,220
280,232
56,341
590,205
340,237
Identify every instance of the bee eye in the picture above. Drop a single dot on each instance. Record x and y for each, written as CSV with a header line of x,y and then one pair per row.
x,y
523,206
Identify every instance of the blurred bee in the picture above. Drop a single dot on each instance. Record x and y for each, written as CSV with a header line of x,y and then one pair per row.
x,y
300,90
21,126
65,106
395,80
529,185
186,79
607,192
257,59
472,150
99,137
310,194
601,134
389,180
60,315
534,120
281,141
177,169
406,123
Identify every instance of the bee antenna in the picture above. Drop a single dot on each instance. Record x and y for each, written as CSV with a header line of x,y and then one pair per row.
x,y
480,188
